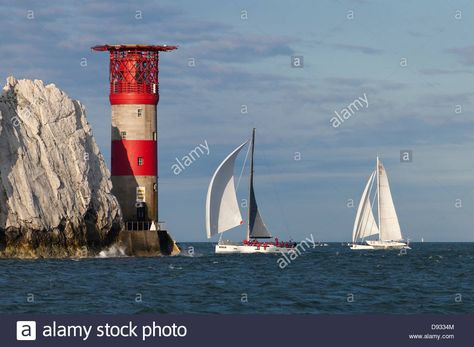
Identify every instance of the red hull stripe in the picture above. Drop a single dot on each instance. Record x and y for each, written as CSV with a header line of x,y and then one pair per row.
x,y
125,154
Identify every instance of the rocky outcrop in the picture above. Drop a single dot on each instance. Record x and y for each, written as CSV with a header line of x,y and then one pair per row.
x,y
55,198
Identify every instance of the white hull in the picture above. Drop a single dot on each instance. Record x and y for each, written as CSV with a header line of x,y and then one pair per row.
x,y
380,245
388,244
361,247
228,249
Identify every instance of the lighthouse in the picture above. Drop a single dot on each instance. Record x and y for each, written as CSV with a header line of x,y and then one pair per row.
x,y
134,95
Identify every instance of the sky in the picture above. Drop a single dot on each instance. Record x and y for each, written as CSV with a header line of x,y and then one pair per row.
x,y
412,61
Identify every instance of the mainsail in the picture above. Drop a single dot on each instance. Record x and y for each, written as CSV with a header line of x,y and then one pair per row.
x,y
389,226
365,224
222,208
256,226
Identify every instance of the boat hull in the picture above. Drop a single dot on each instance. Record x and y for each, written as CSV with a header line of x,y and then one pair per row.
x,y
387,244
244,249
379,245
361,247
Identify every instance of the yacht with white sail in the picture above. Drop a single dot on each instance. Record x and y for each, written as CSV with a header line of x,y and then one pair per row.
x,y
386,233
223,212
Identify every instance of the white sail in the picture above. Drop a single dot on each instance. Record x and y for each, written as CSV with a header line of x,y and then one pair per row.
x,y
222,208
360,209
368,225
365,224
389,226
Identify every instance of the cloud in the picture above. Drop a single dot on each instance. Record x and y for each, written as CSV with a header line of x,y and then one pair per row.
x,y
238,64
435,71
358,48
376,85
243,48
464,54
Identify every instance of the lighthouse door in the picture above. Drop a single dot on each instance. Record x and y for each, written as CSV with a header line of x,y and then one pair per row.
x,y
140,204
141,211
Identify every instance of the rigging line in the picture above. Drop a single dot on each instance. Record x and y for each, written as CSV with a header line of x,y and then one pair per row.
x,y
243,167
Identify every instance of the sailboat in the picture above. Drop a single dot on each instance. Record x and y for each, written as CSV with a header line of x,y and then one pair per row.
x,y
223,212
387,228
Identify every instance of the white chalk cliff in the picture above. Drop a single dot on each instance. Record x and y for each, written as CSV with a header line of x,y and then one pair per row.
x,y
55,188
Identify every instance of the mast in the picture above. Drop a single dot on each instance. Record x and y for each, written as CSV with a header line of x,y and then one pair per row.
x,y
378,199
250,184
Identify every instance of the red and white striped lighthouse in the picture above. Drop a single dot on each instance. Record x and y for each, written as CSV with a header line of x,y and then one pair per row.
x,y
134,97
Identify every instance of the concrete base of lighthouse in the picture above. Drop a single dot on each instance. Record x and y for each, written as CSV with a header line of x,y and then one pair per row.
x,y
148,243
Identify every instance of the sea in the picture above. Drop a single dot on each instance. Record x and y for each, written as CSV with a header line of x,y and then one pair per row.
x,y
326,279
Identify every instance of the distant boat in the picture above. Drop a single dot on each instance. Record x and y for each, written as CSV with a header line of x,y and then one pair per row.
x,y
422,240
387,228
223,212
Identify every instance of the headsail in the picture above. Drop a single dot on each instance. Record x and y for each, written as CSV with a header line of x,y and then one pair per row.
x,y
256,226
365,224
222,208
389,226
368,225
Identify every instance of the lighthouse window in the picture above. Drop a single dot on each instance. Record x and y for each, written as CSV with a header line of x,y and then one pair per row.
x,y
154,136
139,112
123,134
140,161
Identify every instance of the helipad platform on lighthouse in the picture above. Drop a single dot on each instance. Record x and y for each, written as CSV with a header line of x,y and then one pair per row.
x,y
124,47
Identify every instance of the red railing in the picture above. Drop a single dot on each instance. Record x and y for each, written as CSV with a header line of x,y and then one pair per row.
x,y
134,71
140,88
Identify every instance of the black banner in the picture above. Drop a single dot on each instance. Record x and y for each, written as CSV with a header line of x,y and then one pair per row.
x,y
236,330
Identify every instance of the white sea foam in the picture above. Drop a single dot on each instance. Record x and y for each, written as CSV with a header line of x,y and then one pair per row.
x,y
172,267
113,252
189,251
